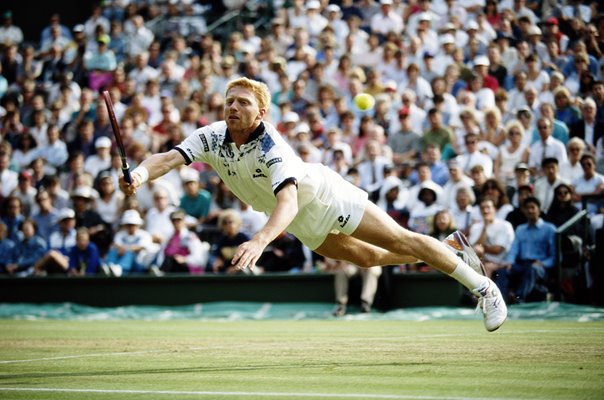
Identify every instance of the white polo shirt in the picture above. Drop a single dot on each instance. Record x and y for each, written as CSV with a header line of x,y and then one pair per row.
x,y
257,170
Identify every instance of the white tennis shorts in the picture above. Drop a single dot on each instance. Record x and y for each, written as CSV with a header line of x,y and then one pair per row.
x,y
337,208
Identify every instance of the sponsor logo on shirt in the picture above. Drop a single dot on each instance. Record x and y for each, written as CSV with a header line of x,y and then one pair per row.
x,y
274,161
258,174
206,146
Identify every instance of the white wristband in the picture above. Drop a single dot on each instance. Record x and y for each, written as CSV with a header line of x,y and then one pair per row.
x,y
142,172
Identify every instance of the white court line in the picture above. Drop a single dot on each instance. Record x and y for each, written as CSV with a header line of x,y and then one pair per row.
x,y
121,353
231,347
250,394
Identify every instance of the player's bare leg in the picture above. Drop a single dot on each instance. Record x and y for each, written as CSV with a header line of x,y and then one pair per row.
x,y
379,240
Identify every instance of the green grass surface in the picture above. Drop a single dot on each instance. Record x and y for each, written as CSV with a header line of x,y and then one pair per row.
x,y
300,359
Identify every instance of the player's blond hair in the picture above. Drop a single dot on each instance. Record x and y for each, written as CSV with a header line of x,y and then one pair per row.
x,y
260,90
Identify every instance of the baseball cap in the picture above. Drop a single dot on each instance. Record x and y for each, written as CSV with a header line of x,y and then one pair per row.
x,y
386,2
102,142
78,28
403,112
65,213
551,21
425,17
472,25
313,5
189,175
178,214
534,30
24,176
290,116
521,165
83,191
333,8
447,38
390,85
481,60
131,217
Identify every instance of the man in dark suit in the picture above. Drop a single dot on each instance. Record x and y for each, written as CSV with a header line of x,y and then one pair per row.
x,y
588,128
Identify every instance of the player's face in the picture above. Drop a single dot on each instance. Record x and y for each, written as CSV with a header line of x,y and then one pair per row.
x,y
241,111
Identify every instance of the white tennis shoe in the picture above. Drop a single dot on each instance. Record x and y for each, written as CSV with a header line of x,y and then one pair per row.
x,y
458,244
492,305
490,300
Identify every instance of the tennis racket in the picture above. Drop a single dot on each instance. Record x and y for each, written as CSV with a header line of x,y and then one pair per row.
x,y
118,136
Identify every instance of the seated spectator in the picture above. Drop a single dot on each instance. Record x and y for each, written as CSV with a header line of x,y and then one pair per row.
x,y
100,232
533,253
28,250
588,128
512,152
495,190
442,225
473,156
590,183
13,217
84,258
516,217
544,186
571,169
7,249
195,201
546,147
183,252
157,220
457,179
344,271
110,201
229,223
100,161
463,212
26,192
393,199
421,215
562,209
492,237
284,254
56,259
406,144
132,249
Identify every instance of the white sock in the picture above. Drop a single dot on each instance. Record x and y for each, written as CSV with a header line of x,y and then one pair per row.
x,y
466,275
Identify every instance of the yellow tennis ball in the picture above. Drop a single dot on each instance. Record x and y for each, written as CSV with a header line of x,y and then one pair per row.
x,y
364,101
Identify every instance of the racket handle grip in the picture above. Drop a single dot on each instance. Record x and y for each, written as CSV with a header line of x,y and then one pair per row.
x,y
127,176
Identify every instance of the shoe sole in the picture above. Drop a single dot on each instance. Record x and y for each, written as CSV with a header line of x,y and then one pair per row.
x,y
463,245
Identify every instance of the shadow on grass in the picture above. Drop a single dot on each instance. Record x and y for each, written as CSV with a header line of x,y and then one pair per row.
x,y
38,375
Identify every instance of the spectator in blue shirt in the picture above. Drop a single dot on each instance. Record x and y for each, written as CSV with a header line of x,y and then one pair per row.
x,y
60,243
532,255
7,248
28,250
84,258
13,217
46,216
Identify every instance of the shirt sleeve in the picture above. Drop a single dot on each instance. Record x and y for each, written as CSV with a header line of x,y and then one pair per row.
x,y
198,145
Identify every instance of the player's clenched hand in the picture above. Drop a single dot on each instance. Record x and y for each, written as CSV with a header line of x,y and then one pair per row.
x,y
129,189
247,254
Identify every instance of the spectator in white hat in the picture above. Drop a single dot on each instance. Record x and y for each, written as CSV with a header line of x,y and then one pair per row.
x,y
132,249
102,159
386,20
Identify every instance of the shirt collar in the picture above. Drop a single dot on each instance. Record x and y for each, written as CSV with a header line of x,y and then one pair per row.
x,y
253,136
538,223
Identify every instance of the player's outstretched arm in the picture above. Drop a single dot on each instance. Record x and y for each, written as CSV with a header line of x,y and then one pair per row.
x,y
152,168
248,253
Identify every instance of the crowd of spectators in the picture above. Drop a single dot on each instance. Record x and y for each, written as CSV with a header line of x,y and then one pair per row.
x,y
480,106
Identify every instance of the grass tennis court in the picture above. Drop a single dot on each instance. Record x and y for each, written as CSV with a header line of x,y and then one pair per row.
x,y
309,359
